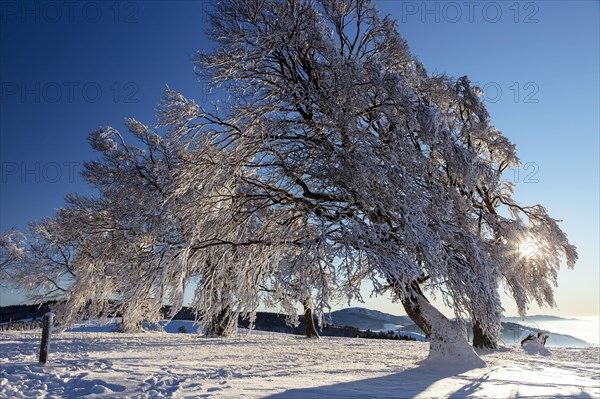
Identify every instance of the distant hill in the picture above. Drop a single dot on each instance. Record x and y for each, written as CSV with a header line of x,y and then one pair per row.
x,y
366,319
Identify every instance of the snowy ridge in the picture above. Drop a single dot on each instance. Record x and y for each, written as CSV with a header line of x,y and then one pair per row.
x,y
367,319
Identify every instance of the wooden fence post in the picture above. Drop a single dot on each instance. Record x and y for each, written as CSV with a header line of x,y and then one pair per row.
x,y
46,328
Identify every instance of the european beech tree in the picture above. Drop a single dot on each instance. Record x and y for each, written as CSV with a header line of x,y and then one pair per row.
x,y
337,142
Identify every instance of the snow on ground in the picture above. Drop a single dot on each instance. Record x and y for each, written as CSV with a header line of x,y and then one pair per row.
x,y
158,365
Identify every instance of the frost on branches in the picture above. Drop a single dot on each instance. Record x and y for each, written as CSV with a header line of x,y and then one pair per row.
x,y
338,158
337,141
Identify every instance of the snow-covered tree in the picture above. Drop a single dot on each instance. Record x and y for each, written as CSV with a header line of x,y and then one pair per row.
x,y
336,143
134,240
132,257
11,252
333,126
42,261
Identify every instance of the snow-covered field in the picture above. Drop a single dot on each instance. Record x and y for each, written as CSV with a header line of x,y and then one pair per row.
x,y
156,365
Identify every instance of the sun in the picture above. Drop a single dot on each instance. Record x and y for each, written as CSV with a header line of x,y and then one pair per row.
x,y
529,248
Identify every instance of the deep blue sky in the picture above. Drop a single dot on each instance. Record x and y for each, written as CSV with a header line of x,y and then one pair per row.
x,y
65,70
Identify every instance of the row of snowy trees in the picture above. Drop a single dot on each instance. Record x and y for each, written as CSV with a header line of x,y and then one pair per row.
x,y
338,159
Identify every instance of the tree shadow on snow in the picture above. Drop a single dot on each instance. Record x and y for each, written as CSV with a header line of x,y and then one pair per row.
x,y
406,384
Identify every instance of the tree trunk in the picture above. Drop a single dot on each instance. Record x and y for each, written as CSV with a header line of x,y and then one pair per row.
x,y
481,339
447,343
311,331
414,311
126,326
222,325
